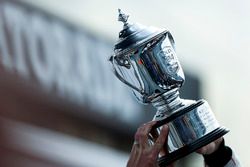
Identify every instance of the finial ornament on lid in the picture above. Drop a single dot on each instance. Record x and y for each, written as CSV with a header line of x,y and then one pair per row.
x,y
122,17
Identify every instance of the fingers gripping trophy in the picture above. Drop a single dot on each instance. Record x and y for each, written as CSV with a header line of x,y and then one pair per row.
x,y
145,59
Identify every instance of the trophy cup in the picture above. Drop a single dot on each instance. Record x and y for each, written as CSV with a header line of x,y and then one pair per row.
x,y
145,59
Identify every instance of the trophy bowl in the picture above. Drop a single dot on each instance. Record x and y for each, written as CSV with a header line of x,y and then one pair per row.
x,y
145,60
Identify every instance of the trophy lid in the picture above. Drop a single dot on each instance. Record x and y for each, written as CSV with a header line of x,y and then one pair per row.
x,y
135,35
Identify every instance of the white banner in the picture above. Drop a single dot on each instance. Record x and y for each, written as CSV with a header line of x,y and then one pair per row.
x,y
62,58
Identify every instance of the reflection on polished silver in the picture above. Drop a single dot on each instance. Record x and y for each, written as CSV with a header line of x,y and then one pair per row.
x,y
122,16
151,70
169,103
145,60
191,126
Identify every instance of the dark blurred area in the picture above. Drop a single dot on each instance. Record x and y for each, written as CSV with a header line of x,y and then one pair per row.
x,y
60,104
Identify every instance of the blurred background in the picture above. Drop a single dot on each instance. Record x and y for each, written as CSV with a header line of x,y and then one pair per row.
x,y
60,104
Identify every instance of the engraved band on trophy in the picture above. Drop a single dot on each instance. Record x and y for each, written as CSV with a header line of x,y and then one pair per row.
x,y
145,59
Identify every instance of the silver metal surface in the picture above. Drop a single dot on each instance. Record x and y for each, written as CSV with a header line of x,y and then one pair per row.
x,y
122,17
191,126
155,75
169,103
152,70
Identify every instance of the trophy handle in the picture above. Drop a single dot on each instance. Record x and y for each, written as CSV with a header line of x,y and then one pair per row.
x,y
119,76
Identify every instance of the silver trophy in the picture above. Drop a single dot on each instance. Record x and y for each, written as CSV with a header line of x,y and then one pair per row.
x,y
145,59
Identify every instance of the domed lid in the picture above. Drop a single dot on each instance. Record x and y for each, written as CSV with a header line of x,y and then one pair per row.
x,y
135,35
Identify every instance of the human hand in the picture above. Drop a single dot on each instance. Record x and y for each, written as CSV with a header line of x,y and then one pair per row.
x,y
143,154
211,147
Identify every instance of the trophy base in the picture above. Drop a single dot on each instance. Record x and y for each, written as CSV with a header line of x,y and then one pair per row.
x,y
190,129
187,149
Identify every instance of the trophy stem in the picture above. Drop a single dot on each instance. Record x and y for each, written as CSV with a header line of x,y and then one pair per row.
x,y
169,103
